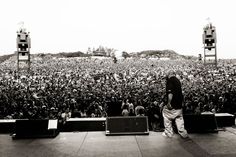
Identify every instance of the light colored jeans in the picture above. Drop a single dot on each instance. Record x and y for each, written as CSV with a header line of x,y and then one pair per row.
x,y
177,115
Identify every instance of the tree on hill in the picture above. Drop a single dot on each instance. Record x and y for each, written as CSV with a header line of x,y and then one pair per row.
x,y
125,54
73,54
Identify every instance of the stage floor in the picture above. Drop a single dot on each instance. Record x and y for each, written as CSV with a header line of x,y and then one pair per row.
x,y
88,144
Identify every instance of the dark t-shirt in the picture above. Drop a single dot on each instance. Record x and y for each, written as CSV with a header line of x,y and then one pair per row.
x,y
173,86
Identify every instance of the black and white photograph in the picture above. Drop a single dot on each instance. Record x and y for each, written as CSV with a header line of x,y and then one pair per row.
x,y
117,78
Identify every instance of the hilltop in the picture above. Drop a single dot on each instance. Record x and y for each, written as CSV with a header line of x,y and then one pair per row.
x,y
161,54
143,54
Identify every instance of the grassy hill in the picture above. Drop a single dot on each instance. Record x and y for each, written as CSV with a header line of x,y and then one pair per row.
x,y
161,54
5,57
143,54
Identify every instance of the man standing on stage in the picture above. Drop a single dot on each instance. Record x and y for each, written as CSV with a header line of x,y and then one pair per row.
x,y
173,109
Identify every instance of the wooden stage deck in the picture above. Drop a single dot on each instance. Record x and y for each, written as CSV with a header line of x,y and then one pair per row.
x,y
96,144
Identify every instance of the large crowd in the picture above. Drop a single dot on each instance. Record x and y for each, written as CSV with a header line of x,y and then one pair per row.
x,y
92,87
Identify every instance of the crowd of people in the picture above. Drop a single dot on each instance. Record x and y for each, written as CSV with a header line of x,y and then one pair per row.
x,y
91,87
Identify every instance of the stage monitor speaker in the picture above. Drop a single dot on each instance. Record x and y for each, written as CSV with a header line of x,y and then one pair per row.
x,y
7,125
225,119
36,129
200,123
127,125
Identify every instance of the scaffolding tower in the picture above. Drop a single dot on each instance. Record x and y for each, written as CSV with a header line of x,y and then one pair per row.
x,y
23,43
209,41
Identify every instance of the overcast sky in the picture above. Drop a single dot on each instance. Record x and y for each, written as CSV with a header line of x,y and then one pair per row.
x,y
126,25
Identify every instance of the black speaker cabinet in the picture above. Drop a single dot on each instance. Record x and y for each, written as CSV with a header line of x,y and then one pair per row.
x,y
36,129
200,123
127,125
225,119
7,125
